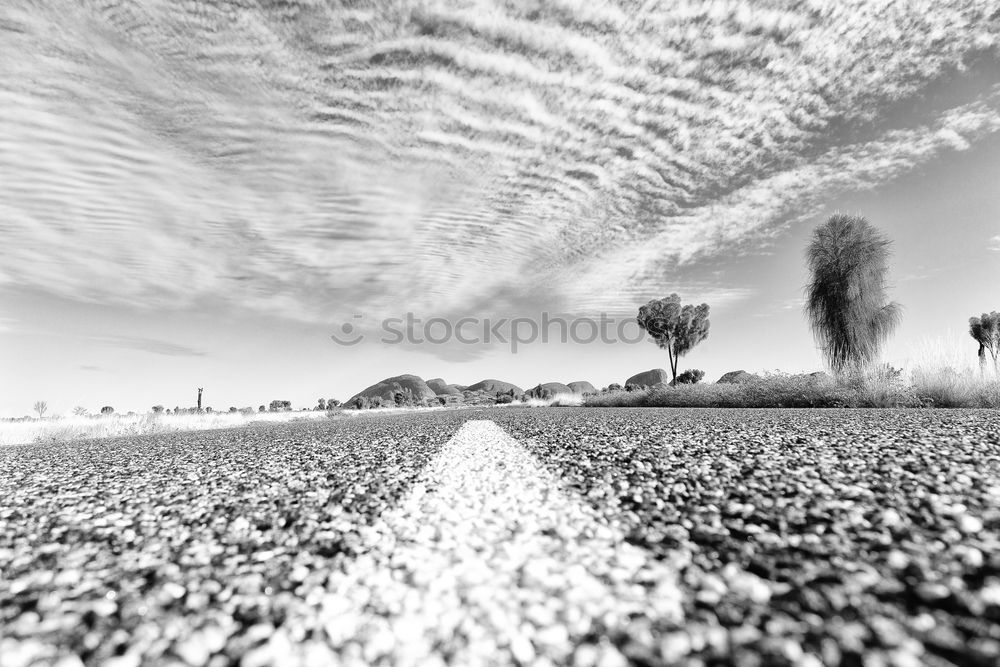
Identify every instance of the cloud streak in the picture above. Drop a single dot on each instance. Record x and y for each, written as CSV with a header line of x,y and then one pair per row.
x,y
151,345
312,160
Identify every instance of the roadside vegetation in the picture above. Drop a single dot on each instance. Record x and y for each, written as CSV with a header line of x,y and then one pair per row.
x,y
109,425
851,317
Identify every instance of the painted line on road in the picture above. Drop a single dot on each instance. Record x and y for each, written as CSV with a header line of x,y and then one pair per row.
x,y
487,561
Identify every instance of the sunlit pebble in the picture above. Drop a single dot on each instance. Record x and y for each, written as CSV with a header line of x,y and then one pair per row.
x,y
970,524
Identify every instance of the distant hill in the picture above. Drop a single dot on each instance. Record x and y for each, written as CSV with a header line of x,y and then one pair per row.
x,y
582,387
549,389
493,386
411,385
442,388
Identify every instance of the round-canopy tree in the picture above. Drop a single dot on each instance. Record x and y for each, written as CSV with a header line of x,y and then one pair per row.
x,y
986,330
675,328
846,300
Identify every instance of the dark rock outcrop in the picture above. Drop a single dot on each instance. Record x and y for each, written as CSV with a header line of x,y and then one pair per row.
x,y
737,377
649,378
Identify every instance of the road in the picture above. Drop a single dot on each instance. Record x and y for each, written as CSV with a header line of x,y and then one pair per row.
x,y
512,536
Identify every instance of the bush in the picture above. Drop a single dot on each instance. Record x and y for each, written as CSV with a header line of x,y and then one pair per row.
x,y
690,376
769,391
505,398
107,410
157,409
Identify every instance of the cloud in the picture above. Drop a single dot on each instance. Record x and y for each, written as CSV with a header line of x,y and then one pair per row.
x,y
150,345
313,161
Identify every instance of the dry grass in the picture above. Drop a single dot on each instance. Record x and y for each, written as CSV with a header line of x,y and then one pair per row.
x,y
769,391
945,372
941,373
78,428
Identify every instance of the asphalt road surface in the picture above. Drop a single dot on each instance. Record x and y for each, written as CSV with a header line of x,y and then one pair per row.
x,y
512,536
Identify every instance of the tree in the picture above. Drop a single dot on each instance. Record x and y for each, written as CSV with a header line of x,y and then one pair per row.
x,y
674,328
41,407
985,329
80,411
157,409
846,300
321,404
107,410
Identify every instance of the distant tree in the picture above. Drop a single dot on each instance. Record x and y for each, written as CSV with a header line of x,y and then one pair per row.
x,y
332,403
41,407
846,300
614,386
261,409
233,408
321,404
690,376
985,329
157,409
80,411
674,328
107,410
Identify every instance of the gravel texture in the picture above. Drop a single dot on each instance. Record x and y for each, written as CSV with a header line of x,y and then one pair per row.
x,y
598,537
181,547
810,536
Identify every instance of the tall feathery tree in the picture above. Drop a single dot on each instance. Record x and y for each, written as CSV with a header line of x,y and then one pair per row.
x,y
985,329
846,301
675,328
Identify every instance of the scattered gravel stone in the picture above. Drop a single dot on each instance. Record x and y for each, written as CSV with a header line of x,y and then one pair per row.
x,y
692,537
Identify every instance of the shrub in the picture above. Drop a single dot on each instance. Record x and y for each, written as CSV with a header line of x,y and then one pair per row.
x,y
769,391
107,410
690,376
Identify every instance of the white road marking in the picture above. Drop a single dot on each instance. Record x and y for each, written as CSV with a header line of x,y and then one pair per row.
x,y
487,561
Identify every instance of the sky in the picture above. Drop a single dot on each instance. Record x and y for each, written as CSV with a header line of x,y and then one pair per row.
x,y
200,194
